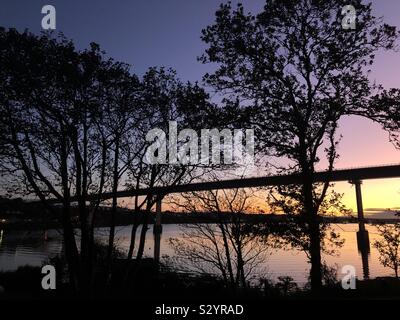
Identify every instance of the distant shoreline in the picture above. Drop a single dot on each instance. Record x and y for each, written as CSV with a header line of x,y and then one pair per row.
x,y
179,218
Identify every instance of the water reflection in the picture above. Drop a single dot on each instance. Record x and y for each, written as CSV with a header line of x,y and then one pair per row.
x,y
363,246
19,248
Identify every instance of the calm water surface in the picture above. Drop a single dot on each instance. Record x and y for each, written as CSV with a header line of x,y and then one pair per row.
x,y
18,248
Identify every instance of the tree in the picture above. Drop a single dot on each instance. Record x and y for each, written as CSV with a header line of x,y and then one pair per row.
x,y
164,98
73,126
121,114
291,72
384,108
227,248
56,146
389,246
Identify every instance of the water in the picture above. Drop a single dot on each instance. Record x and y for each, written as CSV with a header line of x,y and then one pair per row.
x,y
18,248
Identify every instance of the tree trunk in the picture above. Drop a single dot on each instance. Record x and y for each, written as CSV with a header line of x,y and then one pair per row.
x,y
80,182
227,254
71,250
114,204
133,240
149,204
240,262
85,230
315,253
135,225
96,203
143,232
314,234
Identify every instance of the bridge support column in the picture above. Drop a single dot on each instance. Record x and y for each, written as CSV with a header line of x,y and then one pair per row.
x,y
157,230
363,244
360,210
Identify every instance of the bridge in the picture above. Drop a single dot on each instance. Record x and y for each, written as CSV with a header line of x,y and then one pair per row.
x,y
352,175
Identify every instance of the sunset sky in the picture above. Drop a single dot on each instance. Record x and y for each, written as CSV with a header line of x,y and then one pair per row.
x,y
167,33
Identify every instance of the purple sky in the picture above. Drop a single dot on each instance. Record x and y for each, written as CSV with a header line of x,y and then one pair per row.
x,y
167,32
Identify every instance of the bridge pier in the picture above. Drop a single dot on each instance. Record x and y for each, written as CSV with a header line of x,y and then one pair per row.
x,y
360,210
363,243
157,230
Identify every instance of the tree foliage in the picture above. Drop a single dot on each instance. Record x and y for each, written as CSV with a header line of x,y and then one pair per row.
x,y
291,72
74,124
389,246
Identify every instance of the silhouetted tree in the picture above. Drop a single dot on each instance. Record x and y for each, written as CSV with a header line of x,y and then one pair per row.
x,y
293,71
121,115
389,246
74,124
167,99
54,131
384,108
228,247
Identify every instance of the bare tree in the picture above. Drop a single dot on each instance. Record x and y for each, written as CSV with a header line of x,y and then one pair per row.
x,y
228,247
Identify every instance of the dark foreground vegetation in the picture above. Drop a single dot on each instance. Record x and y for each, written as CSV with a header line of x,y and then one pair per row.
x,y
147,282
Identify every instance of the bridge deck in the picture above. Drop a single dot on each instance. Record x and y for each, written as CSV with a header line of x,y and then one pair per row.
x,y
390,171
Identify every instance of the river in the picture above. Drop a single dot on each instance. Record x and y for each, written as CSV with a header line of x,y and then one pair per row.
x,y
18,248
